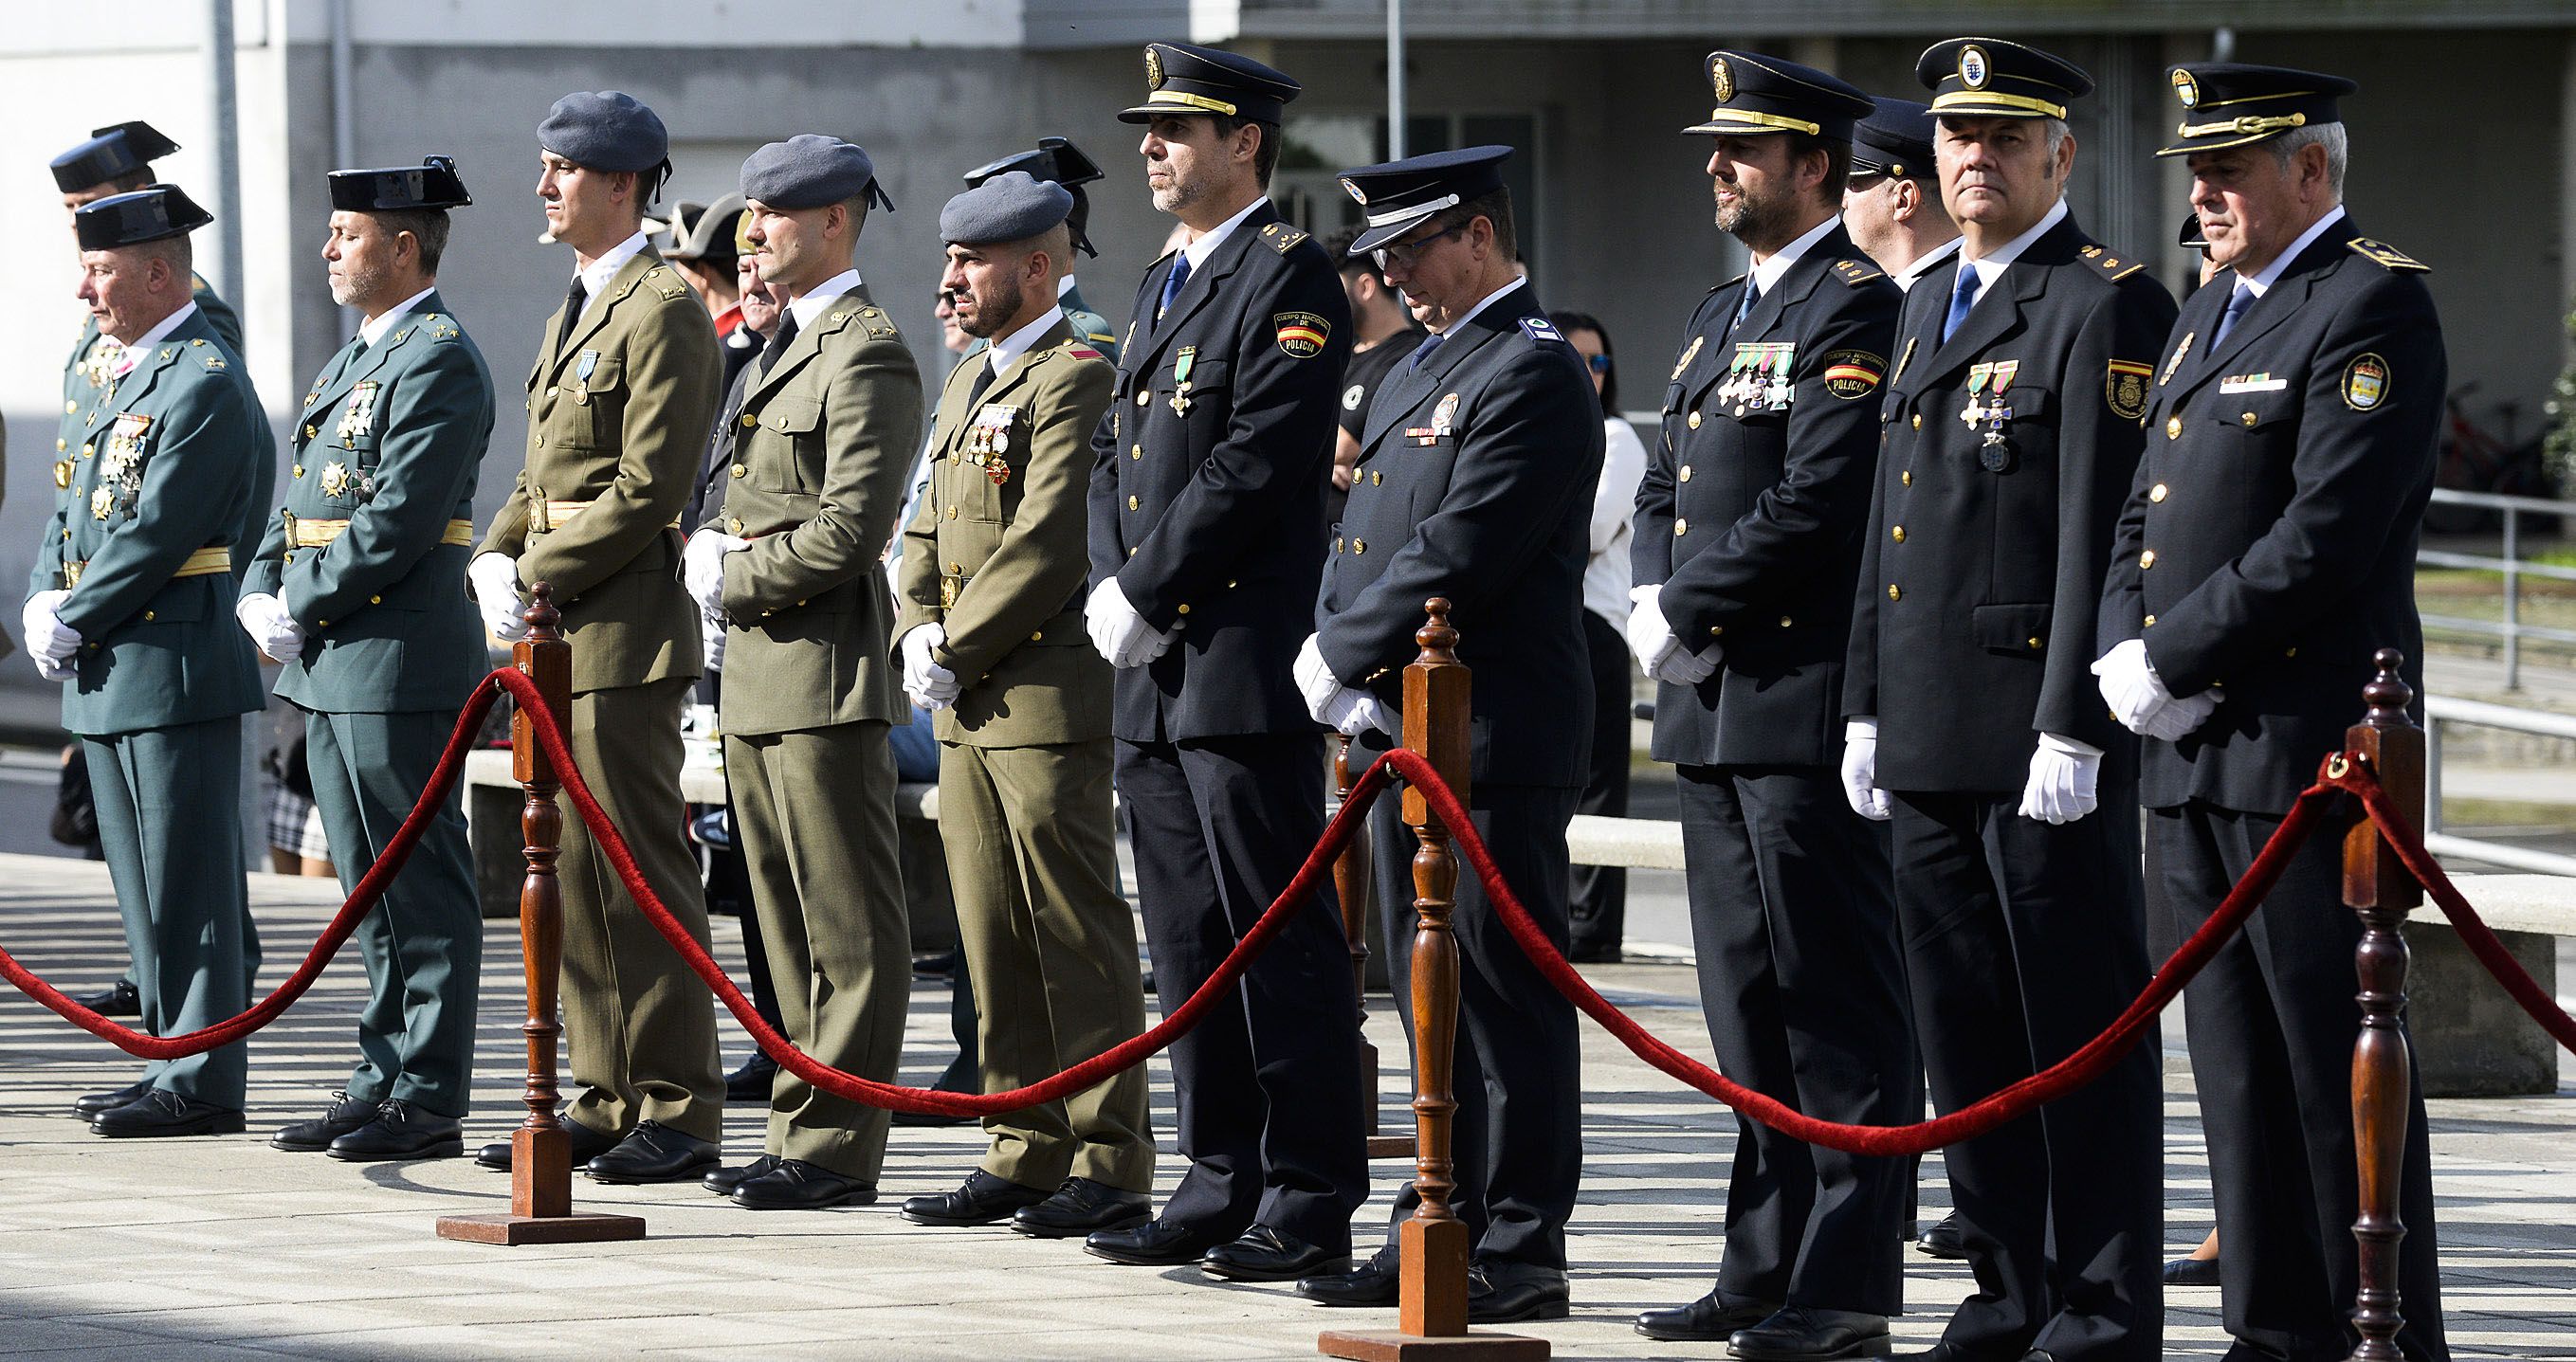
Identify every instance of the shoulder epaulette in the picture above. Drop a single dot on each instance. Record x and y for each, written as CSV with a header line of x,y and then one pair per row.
x,y
666,284
1857,272
880,326
1282,237
2385,256
1724,283
1085,352
2112,264
1101,336
439,327
1541,329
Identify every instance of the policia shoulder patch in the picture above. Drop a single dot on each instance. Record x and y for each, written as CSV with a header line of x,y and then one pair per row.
x,y
1853,373
1301,334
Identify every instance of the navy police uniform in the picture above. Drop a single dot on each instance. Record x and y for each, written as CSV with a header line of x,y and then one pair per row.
x,y
2008,447
1475,481
1749,522
2267,548
1206,507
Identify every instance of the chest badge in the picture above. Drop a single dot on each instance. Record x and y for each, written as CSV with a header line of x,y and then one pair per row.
x,y
335,479
1758,376
988,441
1689,353
102,502
1183,361
360,415
1990,406
2176,361
2365,382
1444,417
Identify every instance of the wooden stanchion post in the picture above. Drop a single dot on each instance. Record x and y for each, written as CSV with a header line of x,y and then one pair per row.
x,y
540,1153
2377,887
1432,1310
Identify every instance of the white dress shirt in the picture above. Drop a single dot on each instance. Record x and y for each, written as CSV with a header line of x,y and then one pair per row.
x,y
1004,353
810,304
374,331
1606,573
136,349
1991,267
595,276
1200,249
1769,272
2261,281
1925,263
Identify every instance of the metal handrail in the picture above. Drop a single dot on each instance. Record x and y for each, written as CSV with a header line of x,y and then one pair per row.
x,y
2441,708
2511,629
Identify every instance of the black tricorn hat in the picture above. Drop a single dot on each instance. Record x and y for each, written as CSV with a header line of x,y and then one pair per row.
x,y
1056,161
155,212
431,184
118,149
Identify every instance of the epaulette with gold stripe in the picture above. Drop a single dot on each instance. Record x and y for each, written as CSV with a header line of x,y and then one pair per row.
x,y
665,283
2111,263
2385,256
1282,237
1857,272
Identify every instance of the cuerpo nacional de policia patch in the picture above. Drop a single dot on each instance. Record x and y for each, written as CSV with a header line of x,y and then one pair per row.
x,y
1301,334
2365,382
1853,373
2125,388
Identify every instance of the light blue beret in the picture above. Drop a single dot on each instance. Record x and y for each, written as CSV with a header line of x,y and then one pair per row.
x,y
1012,206
811,170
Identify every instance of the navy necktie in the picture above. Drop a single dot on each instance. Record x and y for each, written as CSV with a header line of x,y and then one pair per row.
x,y
2237,302
1962,298
1172,284
1423,351
1744,309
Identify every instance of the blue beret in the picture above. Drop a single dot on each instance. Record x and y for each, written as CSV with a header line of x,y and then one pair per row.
x,y
605,131
810,170
1011,206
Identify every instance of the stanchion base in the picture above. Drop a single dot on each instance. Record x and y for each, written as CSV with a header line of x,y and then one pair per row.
x,y
1394,1345
580,1227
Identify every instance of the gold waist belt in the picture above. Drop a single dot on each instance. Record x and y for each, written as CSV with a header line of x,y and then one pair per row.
x,y
313,534
205,562
551,515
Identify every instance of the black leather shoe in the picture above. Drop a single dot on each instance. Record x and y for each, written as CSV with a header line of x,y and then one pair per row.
x,y
2192,1272
120,999
345,1114
1712,1318
1156,1243
88,1108
654,1152
982,1199
723,1180
1082,1206
1943,1240
587,1144
1525,1294
401,1131
795,1185
1801,1333
160,1112
1265,1254
1376,1282
750,1084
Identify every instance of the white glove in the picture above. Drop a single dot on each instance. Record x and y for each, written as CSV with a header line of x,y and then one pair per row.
x,y
931,686
1682,667
711,642
2139,699
1860,770
1120,634
276,633
1315,680
495,579
2062,775
1353,712
1650,637
51,670
47,636
702,568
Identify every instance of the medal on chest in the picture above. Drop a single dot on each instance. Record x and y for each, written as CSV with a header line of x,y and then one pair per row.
x,y
1990,406
360,415
988,441
1758,377
1183,360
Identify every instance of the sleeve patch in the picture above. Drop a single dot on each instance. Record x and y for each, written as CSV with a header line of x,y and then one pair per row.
x,y
2365,382
1857,273
2385,256
1301,334
2124,388
1853,373
1541,329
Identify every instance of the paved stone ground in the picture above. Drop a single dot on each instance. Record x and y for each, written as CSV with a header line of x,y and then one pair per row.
x,y
224,1248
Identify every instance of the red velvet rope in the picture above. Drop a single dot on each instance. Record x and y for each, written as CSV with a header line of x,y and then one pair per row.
x,y
361,900
2399,831
1090,1072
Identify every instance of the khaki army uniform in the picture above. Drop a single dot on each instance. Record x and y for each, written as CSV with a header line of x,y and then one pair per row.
x,y
825,437
617,414
996,555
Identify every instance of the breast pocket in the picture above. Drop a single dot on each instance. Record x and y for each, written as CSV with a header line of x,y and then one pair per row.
x,y
2261,421
597,400
1204,406
793,427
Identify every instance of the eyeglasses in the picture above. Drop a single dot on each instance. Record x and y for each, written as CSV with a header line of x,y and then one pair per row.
x,y
1406,253
1600,363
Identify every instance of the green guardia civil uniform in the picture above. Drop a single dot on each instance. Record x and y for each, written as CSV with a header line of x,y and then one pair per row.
x,y
996,556
369,556
828,431
619,403
149,538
